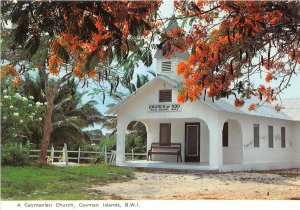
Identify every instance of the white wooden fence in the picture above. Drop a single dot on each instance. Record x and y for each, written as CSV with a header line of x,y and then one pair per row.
x,y
63,155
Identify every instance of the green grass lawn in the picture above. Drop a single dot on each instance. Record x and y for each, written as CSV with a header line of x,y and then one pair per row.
x,y
58,183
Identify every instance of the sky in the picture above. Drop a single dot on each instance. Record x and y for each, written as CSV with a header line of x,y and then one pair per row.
x,y
166,10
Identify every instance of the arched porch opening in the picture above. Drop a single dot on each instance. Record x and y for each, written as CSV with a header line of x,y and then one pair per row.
x,y
136,138
232,142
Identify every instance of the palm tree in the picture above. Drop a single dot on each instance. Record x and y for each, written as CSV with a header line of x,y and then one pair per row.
x,y
70,115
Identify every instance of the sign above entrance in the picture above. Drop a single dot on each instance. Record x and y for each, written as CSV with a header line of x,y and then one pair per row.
x,y
164,107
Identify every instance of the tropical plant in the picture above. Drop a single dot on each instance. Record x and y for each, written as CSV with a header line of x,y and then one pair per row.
x,y
69,117
109,143
95,134
134,142
13,154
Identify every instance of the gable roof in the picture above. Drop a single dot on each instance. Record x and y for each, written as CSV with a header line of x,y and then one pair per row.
x,y
227,105
141,89
224,104
291,108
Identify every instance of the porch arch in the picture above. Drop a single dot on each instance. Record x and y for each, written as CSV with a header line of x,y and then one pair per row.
x,y
136,137
233,150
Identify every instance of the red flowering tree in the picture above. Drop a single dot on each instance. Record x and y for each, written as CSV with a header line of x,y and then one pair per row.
x,y
229,42
87,40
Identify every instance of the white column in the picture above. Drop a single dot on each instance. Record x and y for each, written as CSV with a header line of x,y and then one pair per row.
x,y
150,130
120,155
149,137
246,135
215,144
296,143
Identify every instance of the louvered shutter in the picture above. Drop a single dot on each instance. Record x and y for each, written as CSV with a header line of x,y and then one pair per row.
x,y
166,66
165,96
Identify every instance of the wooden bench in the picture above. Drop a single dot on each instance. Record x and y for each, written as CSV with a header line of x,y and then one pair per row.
x,y
173,149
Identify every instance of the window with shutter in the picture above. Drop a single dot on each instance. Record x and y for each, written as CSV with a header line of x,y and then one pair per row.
x,y
165,96
165,134
271,136
256,135
166,66
282,137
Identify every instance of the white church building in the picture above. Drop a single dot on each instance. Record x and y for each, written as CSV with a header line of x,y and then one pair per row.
x,y
206,135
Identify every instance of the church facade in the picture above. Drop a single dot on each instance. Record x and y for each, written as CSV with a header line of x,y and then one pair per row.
x,y
213,135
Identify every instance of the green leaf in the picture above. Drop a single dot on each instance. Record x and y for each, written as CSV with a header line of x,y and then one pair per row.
x,y
108,56
91,60
191,21
17,13
20,33
62,53
147,58
31,46
133,27
184,22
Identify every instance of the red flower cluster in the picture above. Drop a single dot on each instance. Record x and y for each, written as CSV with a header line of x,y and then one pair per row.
x,y
252,107
239,102
9,71
219,61
115,30
269,77
54,64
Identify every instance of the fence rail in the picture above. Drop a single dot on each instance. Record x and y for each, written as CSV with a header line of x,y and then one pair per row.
x,y
109,157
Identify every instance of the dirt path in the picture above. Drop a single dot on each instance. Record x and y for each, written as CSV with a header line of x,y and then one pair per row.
x,y
279,184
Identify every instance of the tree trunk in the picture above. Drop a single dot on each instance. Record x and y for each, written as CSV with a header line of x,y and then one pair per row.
x,y
47,128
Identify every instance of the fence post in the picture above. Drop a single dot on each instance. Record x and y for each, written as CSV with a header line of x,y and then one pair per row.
x,y
52,153
105,154
132,157
100,154
66,154
78,155
112,159
28,147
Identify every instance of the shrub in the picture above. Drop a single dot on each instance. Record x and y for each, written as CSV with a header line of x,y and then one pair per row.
x,y
14,155
134,142
89,147
109,143
18,115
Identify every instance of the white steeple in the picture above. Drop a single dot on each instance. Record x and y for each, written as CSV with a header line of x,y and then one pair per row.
x,y
168,66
